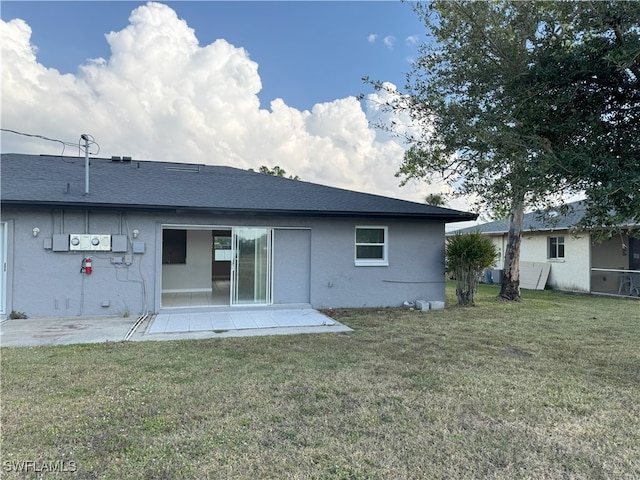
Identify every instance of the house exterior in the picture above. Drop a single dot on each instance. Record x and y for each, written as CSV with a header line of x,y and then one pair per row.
x,y
128,237
577,260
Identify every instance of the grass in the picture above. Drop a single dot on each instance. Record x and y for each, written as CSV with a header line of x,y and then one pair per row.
x,y
547,388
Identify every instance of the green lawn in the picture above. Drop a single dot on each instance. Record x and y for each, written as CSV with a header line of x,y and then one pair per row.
x,y
547,388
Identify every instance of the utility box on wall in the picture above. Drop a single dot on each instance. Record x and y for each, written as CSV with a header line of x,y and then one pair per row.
x,y
60,243
138,247
119,243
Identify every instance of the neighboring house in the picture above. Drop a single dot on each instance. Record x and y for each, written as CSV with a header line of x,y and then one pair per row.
x,y
158,235
575,260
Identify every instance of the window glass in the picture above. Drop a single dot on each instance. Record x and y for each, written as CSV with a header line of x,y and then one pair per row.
x,y
371,246
370,235
222,248
370,251
556,247
174,247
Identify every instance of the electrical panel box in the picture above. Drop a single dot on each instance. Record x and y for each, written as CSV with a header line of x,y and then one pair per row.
x,y
119,243
138,247
60,243
89,242
48,243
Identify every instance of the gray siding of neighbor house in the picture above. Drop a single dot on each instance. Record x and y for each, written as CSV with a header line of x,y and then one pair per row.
x,y
314,262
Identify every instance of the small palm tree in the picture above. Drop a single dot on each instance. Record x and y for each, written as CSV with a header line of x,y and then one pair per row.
x,y
466,256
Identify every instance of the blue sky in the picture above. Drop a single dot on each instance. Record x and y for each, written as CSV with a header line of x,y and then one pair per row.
x,y
243,84
307,52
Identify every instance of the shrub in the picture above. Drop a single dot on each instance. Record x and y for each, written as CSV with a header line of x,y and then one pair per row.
x,y
466,256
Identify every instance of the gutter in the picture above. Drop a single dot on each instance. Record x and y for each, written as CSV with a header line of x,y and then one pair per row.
x,y
446,217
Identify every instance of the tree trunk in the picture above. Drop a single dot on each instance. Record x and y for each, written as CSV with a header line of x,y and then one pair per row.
x,y
510,289
466,286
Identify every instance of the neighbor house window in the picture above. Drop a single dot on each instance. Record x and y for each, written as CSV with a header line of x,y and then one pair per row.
x,y
371,246
556,247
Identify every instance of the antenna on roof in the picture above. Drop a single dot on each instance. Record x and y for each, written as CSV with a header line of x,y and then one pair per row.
x,y
85,137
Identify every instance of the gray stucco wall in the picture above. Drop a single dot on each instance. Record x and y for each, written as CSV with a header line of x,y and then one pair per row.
x,y
415,270
47,283
292,269
43,283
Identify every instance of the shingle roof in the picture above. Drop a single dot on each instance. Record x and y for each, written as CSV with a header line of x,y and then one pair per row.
x,y
535,221
52,181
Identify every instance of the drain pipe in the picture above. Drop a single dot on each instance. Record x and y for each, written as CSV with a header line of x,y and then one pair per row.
x,y
135,326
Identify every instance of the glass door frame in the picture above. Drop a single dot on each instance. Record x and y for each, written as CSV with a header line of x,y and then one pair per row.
x,y
260,285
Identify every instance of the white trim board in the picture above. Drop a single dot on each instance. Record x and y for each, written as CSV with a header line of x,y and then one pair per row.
x,y
187,290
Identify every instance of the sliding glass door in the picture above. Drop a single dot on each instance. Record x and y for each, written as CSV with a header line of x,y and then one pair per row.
x,y
251,266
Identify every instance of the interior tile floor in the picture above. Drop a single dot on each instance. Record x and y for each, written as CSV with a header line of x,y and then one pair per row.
x,y
220,295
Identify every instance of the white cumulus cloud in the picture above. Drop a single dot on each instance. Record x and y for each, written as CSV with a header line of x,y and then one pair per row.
x,y
411,40
161,96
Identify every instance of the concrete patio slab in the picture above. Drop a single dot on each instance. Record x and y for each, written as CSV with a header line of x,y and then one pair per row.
x,y
169,322
165,326
32,332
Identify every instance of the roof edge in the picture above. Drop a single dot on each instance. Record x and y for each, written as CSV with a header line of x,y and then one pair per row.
x,y
448,216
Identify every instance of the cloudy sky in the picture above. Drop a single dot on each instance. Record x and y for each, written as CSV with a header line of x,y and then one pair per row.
x,y
227,83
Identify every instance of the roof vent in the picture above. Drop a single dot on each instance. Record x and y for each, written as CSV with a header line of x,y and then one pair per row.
x,y
126,159
194,169
115,158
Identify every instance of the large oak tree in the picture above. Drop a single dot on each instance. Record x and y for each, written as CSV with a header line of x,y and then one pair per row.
x,y
521,103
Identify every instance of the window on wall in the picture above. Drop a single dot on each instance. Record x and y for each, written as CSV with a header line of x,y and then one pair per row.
x,y
174,247
556,247
222,248
371,246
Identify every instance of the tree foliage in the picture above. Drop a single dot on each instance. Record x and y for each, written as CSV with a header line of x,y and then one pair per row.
x,y
591,105
467,255
277,171
521,103
435,199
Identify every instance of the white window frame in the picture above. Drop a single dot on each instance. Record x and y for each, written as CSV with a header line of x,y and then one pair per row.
x,y
372,262
558,243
